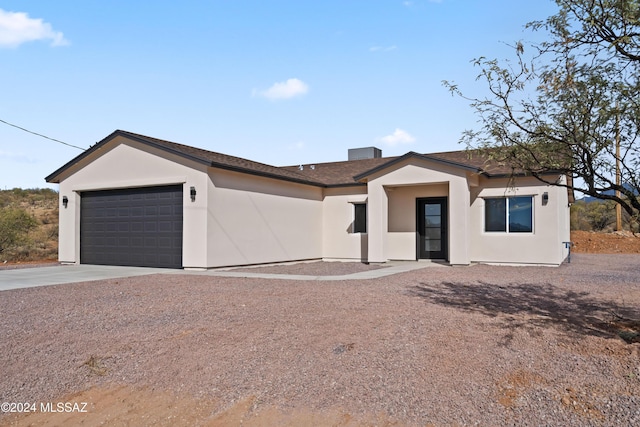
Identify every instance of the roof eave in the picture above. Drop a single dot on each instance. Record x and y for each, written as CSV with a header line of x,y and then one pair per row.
x,y
351,184
265,174
519,174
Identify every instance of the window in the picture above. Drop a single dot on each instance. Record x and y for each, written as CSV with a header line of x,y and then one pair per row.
x,y
509,214
360,218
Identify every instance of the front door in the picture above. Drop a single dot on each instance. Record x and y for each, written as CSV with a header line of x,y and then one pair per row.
x,y
431,216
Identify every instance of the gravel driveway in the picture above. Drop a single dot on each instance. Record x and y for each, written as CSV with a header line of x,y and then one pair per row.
x,y
438,346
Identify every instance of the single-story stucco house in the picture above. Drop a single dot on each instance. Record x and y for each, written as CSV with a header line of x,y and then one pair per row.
x,y
136,200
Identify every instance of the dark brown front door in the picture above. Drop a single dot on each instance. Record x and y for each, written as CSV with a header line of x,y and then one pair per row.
x,y
431,219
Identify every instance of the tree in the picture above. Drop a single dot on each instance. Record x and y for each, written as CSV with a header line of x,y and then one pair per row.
x,y
563,107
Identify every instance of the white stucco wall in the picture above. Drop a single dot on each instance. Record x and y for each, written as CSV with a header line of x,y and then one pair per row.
x,y
550,225
339,242
124,164
253,220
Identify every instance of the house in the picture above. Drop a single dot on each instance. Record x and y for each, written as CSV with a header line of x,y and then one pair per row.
x,y
136,200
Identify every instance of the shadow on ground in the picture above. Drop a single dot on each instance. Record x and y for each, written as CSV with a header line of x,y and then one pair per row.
x,y
531,306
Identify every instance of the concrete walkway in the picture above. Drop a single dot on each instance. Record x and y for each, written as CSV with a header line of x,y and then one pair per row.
x,y
60,274
394,268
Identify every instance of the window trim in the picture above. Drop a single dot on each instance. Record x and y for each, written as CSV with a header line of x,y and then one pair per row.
x,y
507,205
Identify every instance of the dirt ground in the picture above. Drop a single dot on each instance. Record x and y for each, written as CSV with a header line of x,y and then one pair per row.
x,y
590,242
472,345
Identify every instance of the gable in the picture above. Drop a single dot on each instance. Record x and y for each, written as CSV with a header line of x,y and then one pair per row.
x,y
415,169
120,157
125,164
179,151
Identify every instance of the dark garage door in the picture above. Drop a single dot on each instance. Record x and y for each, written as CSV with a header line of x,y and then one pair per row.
x,y
134,226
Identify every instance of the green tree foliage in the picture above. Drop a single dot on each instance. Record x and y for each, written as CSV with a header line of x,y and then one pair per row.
x,y
560,106
598,216
593,216
15,224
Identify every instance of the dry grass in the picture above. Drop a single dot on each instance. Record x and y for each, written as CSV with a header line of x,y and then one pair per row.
x,y
96,366
40,243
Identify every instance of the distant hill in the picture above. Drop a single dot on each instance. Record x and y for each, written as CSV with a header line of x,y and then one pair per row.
x,y
590,199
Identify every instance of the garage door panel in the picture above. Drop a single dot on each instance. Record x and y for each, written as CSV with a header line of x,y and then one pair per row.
x,y
165,226
139,226
165,210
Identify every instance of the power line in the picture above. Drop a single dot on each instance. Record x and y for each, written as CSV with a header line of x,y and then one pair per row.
x,y
43,136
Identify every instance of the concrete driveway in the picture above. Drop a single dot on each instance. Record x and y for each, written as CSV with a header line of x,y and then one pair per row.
x,y
59,274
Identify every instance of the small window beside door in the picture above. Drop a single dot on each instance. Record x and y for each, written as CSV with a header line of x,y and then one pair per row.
x,y
359,217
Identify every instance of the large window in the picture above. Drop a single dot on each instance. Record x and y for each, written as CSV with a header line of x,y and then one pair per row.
x,y
360,218
509,214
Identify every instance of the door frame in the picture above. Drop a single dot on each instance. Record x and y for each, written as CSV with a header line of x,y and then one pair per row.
x,y
444,228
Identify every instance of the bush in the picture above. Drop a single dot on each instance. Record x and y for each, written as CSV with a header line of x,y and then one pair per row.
x,y
15,224
599,216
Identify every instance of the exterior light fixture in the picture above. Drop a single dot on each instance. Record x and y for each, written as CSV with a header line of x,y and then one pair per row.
x,y
65,201
193,194
545,198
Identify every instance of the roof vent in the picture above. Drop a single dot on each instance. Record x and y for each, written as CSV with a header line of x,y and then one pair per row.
x,y
313,167
301,167
364,153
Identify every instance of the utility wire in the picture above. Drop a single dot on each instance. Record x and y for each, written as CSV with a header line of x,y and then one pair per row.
x,y
43,136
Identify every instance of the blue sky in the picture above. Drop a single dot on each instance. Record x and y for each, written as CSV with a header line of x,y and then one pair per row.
x,y
281,82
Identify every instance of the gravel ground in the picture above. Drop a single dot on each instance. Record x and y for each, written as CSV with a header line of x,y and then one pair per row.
x,y
27,264
316,268
478,345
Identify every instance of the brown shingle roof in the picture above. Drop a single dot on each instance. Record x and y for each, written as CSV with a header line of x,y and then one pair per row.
x,y
339,173
350,172
322,174
224,161
210,158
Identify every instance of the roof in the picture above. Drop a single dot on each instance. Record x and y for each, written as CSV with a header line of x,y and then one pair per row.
x,y
332,174
209,158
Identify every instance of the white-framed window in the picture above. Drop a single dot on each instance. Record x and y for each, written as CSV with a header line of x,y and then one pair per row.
x,y
359,217
508,214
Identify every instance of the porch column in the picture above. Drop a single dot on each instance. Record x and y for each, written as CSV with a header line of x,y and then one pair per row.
x,y
377,222
459,230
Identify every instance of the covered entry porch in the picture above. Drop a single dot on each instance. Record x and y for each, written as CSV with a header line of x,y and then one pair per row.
x,y
419,209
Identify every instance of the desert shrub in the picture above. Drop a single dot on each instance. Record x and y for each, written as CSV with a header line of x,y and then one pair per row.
x,y
15,224
599,216
593,216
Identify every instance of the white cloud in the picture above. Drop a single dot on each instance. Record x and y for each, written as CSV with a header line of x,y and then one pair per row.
x,y
17,28
399,136
284,90
382,48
